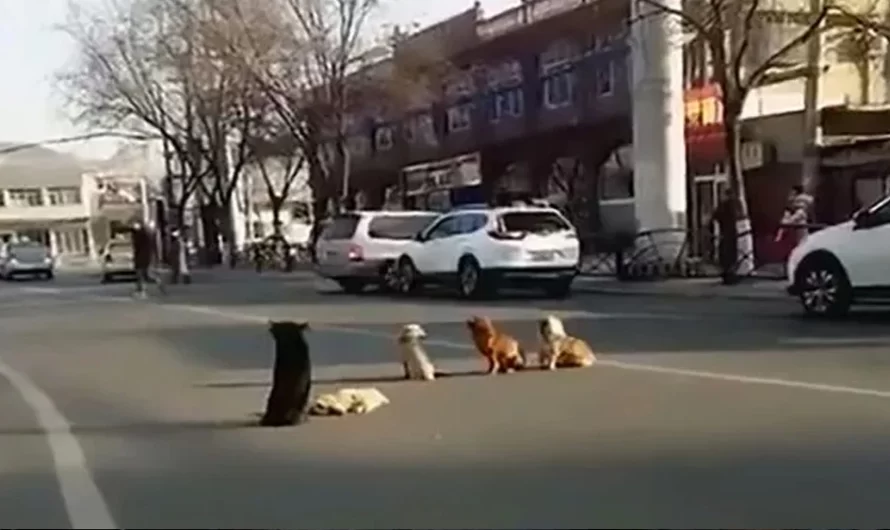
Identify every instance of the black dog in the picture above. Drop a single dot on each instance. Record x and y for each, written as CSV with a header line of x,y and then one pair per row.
x,y
291,376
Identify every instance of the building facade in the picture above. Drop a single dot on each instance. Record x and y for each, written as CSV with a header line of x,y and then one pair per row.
x,y
66,203
539,100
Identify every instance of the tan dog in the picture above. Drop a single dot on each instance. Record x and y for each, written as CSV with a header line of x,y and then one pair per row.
x,y
558,349
415,361
502,351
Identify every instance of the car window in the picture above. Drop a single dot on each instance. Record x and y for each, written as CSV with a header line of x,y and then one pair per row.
x,y
399,226
341,227
534,222
470,222
446,227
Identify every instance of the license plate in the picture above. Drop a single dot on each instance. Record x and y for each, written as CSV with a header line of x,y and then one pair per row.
x,y
542,255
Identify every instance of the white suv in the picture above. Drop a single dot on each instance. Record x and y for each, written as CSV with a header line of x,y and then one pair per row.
x,y
480,249
843,264
360,248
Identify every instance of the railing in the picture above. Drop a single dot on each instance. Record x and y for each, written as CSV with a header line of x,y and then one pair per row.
x,y
641,256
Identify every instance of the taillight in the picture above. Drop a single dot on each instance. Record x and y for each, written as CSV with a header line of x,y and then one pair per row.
x,y
355,253
506,236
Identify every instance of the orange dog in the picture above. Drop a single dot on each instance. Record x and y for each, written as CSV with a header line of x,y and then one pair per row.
x,y
501,350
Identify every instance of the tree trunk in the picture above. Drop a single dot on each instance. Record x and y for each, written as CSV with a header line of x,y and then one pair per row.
x,y
744,243
277,203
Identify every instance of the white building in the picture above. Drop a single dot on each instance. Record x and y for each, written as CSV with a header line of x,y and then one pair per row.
x,y
73,206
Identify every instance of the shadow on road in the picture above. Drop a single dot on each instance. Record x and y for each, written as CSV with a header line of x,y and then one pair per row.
x,y
343,380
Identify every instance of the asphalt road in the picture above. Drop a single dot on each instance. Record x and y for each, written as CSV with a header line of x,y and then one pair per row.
x,y
730,414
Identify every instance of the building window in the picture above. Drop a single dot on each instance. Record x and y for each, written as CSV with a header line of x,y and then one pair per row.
x,y
507,103
460,117
420,129
605,79
383,140
63,196
25,197
559,89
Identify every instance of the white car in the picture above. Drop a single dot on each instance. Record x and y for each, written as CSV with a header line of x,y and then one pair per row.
x,y
479,249
360,248
117,260
26,258
843,264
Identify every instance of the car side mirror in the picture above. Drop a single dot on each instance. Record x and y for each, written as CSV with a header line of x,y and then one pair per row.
x,y
420,237
862,219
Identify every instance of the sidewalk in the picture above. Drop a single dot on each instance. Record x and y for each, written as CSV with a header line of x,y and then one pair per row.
x,y
751,289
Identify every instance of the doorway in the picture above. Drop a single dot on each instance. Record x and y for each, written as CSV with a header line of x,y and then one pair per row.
x,y
707,190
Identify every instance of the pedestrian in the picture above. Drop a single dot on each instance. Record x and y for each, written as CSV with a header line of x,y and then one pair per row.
x,y
792,230
726,216
143,258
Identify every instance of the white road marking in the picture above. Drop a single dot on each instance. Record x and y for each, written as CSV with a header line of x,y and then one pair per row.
x,y
84,503
836,341
642,367
41,290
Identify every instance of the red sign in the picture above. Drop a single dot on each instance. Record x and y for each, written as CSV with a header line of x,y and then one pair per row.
x,y
704,125
704,111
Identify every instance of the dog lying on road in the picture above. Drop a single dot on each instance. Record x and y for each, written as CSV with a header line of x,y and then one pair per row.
x,y
559,349
502,351
415,361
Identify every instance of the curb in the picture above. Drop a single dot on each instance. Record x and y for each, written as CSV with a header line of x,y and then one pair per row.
x,y
774,297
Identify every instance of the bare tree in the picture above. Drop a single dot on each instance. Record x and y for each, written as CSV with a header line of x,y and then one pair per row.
x,y
280,163
119,79
303,54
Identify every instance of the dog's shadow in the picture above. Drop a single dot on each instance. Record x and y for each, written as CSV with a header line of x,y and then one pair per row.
x,y
343,380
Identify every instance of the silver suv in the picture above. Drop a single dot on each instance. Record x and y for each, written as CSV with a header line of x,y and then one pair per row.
x,y
358,249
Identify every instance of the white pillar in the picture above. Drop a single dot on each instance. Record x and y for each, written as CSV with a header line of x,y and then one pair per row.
x,y
658,116
236,210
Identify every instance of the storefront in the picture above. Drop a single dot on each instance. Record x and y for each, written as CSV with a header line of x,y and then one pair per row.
x,y
439,185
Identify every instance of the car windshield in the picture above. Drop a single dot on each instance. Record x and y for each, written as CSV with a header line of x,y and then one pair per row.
x,y
28,251
399,226
536,222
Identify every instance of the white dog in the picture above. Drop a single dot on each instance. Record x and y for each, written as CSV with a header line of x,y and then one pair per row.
x,y
348,401
415,361
559,349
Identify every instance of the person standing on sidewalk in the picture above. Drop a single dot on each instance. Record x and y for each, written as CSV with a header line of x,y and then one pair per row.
x,y
726,216
143,258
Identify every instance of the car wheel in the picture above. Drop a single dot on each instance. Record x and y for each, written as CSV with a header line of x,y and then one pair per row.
x,y
407,280
559,288
352,285
389,277
471,281
825,290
